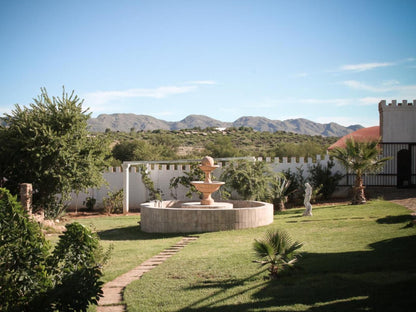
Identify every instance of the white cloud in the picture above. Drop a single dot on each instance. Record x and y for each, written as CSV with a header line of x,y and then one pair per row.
x,y
202,82
105,101
354,84
408,90
338,102
364,66
366,101
272,103
392,86
392,82
300,75
101,97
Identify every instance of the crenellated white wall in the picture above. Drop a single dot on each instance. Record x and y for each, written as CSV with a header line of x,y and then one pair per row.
x,y
162,173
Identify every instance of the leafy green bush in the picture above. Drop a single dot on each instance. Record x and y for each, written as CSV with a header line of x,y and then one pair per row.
x,y
34,279
322,177
251,180
296,189
222,147
154,194
113,203
24,270
298,149
54,209
195,174
90,203
77,268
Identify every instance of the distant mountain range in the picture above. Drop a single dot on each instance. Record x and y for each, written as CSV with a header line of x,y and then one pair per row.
x,y
124,123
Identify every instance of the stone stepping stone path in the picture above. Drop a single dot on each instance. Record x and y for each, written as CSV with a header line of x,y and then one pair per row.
x,y
112,300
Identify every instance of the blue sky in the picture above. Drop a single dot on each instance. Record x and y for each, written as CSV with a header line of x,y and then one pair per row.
x,y
320,60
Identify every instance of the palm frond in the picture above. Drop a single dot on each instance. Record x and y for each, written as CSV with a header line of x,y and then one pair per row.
x,y
277,249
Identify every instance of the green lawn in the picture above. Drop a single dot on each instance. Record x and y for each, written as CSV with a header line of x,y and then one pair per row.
x,y
355,258
130,246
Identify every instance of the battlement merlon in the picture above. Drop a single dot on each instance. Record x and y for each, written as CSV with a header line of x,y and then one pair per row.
x,y
383,106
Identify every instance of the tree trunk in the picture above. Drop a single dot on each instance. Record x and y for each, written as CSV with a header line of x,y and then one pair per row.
x,y
358,191
279,205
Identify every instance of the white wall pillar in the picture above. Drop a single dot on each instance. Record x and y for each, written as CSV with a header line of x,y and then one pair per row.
x,y
126,188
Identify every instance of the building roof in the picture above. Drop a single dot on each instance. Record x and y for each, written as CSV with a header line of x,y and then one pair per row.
x,y
361,135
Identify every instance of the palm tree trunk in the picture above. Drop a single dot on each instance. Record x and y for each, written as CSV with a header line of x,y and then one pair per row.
x,y
358,190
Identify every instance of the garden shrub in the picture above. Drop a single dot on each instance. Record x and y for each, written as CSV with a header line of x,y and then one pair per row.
x,y
296,188
154,194
77,268
113,203
54,209
195,174
90,203
32,278
24,270
251,180
322,177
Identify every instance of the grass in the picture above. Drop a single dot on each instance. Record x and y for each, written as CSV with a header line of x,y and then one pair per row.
x,y
130,246
355,258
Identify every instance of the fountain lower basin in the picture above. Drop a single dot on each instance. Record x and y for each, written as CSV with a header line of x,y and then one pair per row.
x,y
207,188
186,217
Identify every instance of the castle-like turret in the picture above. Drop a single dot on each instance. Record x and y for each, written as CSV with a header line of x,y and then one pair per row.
x,y
398,121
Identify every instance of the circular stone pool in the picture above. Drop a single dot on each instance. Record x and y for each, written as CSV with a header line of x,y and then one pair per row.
x,y
170,217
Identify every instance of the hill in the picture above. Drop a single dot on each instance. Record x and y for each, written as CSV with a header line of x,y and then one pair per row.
x,y
125,122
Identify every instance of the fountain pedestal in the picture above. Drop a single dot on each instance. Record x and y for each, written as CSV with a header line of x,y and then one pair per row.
x,y
207,187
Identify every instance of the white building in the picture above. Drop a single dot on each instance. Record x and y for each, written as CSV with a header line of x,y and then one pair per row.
x,y
398,137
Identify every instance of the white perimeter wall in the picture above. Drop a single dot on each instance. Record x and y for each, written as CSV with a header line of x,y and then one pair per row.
x,y
161,174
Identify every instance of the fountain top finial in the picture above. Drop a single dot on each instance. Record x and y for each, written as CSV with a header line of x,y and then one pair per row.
x,y
207,161
207,187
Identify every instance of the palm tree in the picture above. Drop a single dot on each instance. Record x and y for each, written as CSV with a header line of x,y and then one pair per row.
x,y
360,158
278,250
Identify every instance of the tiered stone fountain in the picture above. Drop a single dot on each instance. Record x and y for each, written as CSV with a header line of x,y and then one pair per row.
x,y
207,215
207,187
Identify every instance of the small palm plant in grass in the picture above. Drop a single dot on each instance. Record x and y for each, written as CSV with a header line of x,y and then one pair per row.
x,y
277,250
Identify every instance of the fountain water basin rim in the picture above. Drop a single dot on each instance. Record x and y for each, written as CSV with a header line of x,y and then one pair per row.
x,y
215,205
169,217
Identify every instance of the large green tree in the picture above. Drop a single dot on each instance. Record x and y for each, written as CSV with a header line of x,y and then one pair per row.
x,y
359,158
48,144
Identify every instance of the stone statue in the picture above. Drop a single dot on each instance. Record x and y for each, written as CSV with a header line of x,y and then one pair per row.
x,y
307,200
